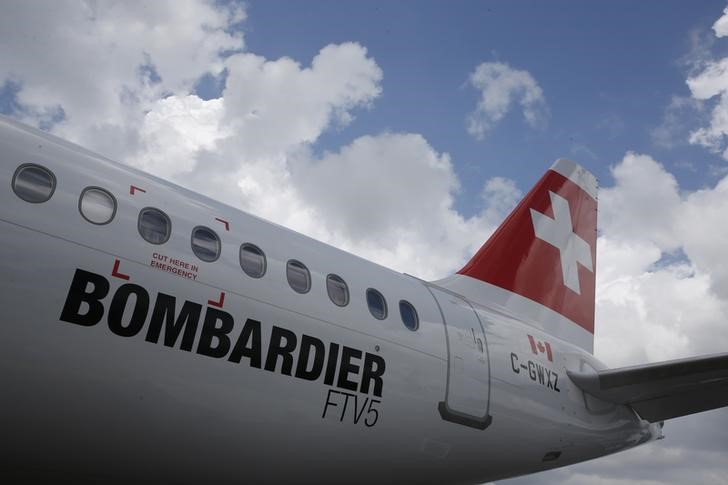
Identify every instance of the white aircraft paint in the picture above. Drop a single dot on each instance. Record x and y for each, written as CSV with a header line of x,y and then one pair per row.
x,y
97,388
559,232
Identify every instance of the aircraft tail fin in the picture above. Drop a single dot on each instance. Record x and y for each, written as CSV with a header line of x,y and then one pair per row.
x,y
540,264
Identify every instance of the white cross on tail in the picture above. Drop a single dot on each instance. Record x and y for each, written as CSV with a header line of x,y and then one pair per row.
x,y
560,233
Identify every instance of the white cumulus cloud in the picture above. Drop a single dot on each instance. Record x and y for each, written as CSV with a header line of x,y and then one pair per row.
x,y
662,294
123,84
97,67
175,130
710,82
661,277
500,87
390,197
720,27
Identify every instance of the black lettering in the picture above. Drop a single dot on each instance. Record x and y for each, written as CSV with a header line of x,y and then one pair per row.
x,y
308,343
372,410
277,348
539,373
374,367
164,312
211,331
77,295
357,415
514,363
328,402
331,364
556,382
250,332
346,402
138,315
548,379
531,371
346,368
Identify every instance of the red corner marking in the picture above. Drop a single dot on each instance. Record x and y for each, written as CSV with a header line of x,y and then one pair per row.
x,y
227,224
220,302
134,188
115,271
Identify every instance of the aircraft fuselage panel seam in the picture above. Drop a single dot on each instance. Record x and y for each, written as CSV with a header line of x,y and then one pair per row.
x,y
232,292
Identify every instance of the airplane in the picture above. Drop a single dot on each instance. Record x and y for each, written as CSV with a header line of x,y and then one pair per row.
x,y
153,335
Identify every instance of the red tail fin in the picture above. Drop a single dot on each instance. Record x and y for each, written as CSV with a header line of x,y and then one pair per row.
x,y
545,250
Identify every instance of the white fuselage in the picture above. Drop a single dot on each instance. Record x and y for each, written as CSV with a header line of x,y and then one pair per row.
x,y
109,401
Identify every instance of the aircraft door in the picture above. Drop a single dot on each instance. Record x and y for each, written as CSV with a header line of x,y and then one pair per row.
x,y
468,377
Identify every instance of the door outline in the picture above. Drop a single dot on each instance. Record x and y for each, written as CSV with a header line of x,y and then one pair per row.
x,y
448,414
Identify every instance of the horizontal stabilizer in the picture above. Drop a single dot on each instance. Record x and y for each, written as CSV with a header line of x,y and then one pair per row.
x,y
662,390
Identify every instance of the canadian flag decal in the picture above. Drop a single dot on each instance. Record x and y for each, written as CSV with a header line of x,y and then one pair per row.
x,y
545,250
538,347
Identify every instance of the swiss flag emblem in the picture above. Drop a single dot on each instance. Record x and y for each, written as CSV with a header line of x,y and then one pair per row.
x,y
559,233
546,249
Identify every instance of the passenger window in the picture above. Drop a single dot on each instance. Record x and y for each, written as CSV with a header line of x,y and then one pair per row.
x,y
409,315
205,244
252,260
337,289
33,183
154,225
298,276
377,304
97,205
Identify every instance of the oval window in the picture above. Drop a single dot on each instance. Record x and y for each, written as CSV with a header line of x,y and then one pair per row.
x,y
33,183
298,276
409,315
205,244
377,304
252,260
97,205
337,289
154,225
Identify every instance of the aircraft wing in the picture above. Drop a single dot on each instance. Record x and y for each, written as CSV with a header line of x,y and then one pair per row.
x,y
662,390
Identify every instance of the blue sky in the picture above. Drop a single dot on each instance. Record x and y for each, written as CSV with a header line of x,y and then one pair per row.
x,y
608,71
404,132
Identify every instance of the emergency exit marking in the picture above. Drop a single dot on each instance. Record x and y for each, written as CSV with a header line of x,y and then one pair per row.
x,y
115,271
227,224
220,302
134,188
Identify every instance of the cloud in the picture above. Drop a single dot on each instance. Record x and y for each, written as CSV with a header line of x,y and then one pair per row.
x,y
698,457
123,84
678,304
703,115
500,86
92,69
678,119
643,202
500,196
175,130
278,104
251,148
662,293
238,146
368,198
710,81
704,233
720,27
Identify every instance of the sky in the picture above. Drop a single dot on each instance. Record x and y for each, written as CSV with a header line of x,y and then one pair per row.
x,y
404,132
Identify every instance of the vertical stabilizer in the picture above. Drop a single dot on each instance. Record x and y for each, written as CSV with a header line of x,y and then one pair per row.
x,y
540,264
